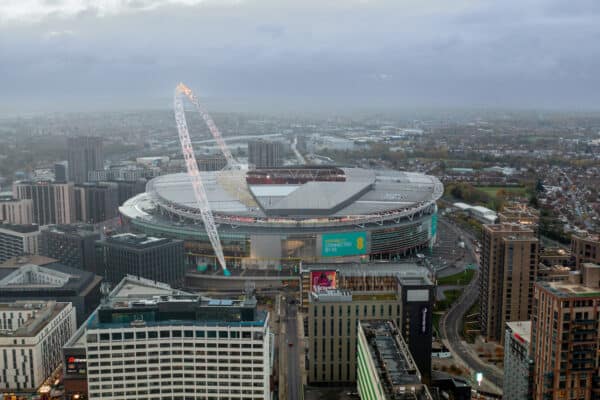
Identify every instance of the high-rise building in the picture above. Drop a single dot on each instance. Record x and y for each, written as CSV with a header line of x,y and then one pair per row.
x,y
96,202
415,320
509,262
159,259
149,341
85,154
16,211
518,363
42,278
31,337
52,203
565,337
386,369
585,248
72,245
402,293
264,154
61,172
18,240
521,214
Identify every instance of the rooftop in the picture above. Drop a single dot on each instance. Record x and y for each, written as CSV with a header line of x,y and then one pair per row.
x,y
395,365
592,237
508,227
360,192
28,259
40,313
154,303
20,228
81,230
569,289
401,270
521,330
6,198
136,241
34,273
329,295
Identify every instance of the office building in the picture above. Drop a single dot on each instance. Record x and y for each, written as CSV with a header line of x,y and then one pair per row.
x,y
385,367
415,320
17,240
338,299
42,278
565,337
16,211
159,259
52,203
61,172
518,364
509,263
72,245
149,341
264,154
85,154
585,248
32,334
96,202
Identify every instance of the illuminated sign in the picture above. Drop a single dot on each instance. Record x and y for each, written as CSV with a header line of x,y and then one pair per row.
x,y
76,365
323,279
424,312
344,244
417,295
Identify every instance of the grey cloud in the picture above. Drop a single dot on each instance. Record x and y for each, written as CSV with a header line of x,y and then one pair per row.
x,y
537,53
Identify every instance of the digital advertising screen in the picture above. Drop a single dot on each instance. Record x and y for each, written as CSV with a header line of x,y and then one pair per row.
x,y
323,279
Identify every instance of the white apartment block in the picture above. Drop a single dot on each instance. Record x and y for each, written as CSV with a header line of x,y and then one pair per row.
x,y
32,334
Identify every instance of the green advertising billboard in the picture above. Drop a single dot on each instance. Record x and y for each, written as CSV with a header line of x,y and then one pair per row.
x,y
344,244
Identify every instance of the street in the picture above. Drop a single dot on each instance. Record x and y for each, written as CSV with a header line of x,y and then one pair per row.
x,y
451,322
293,366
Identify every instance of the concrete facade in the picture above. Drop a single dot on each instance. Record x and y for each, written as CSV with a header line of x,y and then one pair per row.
x,y
509,263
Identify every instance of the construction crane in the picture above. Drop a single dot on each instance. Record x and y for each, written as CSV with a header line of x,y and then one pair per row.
x,y
194,173
214,131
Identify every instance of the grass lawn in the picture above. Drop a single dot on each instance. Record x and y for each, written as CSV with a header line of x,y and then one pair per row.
x,y
492,190
435,320
462,278
450,297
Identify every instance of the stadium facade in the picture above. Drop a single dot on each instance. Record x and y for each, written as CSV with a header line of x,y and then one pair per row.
x,y
281,216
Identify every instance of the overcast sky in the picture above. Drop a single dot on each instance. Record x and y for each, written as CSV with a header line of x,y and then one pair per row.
x,y
114,54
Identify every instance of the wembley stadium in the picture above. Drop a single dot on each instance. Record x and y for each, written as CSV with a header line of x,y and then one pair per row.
x,y
281,216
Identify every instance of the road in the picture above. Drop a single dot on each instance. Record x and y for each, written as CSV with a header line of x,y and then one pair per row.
x,y
293,364
451,324
301,159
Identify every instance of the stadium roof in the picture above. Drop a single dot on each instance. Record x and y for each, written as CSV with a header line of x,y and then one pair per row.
x,y
363,192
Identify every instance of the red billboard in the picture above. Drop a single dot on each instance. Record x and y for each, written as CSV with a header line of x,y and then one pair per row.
x,y
323,279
